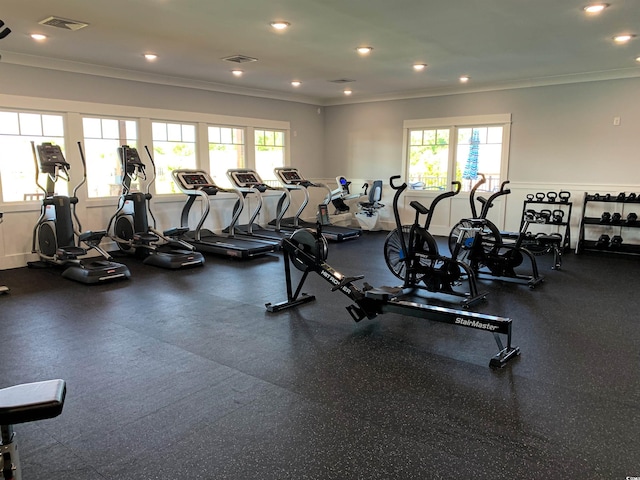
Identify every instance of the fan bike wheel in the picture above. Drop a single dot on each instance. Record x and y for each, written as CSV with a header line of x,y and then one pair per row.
x,y
491,240
309,242
394,256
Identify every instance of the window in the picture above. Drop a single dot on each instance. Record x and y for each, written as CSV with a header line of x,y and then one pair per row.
x,y
174,146
428,159
269,152
102,138
226,150
440,151
479,150
17,165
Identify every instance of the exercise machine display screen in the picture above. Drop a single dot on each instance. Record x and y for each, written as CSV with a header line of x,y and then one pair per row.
x,y
51,155
245,179
131,155
291,176
194,180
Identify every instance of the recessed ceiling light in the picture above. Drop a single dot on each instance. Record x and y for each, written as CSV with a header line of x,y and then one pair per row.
x,y
348,91
624,38
465,78
595,8
38,36
638,59
296,83
280,25
150,56
364,50
419,66
237,73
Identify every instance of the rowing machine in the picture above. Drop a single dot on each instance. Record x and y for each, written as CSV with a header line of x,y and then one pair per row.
x,y
307,250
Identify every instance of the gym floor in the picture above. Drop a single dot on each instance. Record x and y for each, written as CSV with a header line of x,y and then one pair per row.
x,y
183,374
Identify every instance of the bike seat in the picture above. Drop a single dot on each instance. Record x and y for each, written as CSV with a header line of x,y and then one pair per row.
x,y
483,201
419,207
29,402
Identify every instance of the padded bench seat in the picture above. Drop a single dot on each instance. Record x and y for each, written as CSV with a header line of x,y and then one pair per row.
x,y
29,402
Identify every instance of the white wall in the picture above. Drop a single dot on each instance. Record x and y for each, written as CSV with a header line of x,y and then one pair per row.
x,y
562,137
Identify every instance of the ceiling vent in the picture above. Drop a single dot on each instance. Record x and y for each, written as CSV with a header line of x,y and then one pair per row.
x,y
239,59
64,23
342,80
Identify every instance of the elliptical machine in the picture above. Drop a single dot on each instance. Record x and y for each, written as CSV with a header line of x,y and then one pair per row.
x,y
412,254
131,229
55,233
478,243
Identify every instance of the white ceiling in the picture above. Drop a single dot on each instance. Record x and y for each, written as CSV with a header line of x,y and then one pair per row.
x,y
499,43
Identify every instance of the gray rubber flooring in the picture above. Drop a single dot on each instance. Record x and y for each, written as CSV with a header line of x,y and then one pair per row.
x,y
183,374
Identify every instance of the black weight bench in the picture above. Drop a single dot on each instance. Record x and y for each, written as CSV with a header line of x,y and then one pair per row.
x,y
28,402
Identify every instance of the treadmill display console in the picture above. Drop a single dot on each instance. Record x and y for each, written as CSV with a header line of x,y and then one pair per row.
x,y
291,176
245,179
194,180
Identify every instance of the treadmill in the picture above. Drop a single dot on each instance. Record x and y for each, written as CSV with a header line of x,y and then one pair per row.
x,y
247,182
199,184
291,179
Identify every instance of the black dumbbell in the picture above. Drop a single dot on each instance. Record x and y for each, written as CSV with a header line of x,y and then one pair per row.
x,y
540,196
552,196
631,197
621,196
616,241
530,196
616,218
632,217
607,197
603,241
564,196
605,217
596,196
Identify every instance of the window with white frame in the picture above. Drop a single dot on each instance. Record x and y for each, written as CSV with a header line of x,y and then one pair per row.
x,y
226,151
17,164
102,139
269,152
440,151
174,147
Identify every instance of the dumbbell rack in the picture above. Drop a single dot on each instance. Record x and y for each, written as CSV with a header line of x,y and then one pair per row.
x,y
566,207
600,203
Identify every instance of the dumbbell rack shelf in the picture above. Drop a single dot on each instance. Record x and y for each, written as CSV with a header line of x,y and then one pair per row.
x,y
590,226
566,207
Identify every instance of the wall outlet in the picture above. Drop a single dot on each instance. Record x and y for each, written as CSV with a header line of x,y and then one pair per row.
x,y
616,121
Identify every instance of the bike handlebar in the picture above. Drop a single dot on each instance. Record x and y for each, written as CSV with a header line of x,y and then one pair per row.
x,y
396,187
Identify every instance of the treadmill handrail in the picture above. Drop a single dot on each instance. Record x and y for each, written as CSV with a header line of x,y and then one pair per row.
x,y
258,193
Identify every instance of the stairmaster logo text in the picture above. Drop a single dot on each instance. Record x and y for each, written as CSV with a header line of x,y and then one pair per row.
x,y
475,324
